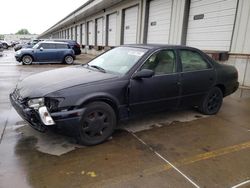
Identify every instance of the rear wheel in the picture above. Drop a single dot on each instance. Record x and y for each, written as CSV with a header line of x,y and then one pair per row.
x,y
68,59
97,123
5,46
27,60
212,102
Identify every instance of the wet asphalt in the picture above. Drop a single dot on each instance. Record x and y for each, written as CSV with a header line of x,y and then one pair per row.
x,y
171,149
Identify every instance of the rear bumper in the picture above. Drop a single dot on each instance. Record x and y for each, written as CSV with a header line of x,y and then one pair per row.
x,y
77,51
69,118
232,88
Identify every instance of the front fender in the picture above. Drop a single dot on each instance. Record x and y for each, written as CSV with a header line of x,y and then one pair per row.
x,y
97,96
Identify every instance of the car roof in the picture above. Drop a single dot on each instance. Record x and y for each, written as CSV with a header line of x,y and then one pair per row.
x,y
159,46
66,40
52,42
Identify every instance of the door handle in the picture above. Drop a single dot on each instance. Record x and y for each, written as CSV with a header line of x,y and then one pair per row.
x,y
178,83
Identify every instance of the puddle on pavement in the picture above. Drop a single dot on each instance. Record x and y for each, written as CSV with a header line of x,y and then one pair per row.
x,y
49,142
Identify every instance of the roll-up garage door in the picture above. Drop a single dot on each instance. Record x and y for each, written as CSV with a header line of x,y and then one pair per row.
x,y
78,35
159,21
90,33
99,31
73,33
83,34
130,25
112,29
211,23
70,31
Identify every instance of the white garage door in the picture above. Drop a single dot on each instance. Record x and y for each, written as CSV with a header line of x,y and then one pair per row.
x,y
100,32
78,35
73,33
70,31
130,25
211,24
112,27
91,33
159,21
83,34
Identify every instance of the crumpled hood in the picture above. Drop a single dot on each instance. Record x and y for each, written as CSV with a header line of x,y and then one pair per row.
x,y
41,84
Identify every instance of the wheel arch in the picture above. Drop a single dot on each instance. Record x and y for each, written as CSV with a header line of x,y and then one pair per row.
x,y
33,59
222,88
110,100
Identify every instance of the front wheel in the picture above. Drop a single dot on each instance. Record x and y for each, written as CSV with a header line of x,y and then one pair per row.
x,y
212,102
27,60
69,59
97,123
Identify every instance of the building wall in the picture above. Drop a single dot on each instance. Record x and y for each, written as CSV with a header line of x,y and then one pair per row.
x,y
21,38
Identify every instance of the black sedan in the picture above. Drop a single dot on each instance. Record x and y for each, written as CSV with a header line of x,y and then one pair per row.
x,y
122,83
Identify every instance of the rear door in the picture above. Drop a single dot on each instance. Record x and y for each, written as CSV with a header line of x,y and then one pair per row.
x,y
197,76
160,92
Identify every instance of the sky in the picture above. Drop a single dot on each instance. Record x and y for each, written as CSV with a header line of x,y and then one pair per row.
x,y
35,15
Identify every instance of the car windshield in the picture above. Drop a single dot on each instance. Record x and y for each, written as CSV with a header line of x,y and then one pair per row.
x,y
118,60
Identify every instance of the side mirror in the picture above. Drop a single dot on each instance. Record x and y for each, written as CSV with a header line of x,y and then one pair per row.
x,y
144,73
41,49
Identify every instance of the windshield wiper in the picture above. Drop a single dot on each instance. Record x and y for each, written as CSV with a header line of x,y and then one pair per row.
x,y
98,68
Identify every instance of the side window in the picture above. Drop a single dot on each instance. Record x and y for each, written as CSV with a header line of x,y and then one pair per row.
x,y
192,61
162,62
61,46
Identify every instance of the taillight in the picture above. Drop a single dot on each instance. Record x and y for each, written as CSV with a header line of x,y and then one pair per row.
x,y
78,45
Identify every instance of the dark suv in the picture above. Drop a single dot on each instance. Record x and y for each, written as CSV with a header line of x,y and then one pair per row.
x,y
46,51
72,43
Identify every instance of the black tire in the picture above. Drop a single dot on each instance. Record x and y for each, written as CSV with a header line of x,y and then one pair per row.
x,y
212,102
68,59
97,123
5,46
27,60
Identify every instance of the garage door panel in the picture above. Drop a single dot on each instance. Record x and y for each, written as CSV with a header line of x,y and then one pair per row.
x,y
78,34
222,21
91,33
211,29
215,27
112,29
100,32
216,14
83,34
212,3
211,36
159,21
130,25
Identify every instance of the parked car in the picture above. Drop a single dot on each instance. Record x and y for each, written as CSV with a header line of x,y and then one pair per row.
x,y
1,49
122,83
72,43
5,44
29,44
46,51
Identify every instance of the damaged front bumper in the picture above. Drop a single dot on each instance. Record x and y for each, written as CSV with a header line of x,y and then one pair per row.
x,y
41,119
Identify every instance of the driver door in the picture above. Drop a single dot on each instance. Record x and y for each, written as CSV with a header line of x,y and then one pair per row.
x,y
160,92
